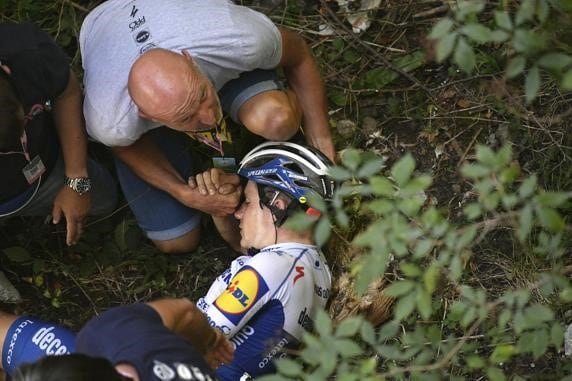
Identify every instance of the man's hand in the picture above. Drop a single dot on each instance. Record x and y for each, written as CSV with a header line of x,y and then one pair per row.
x,y
74,208
213,192
213,181
221,351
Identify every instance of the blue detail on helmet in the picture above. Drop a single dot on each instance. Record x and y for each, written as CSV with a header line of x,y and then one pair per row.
x,y
273,173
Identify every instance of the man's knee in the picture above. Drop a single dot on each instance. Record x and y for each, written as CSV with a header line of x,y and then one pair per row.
x,y
184,244
274,115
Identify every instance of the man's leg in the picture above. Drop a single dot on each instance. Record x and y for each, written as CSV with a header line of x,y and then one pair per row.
x,y
259,101
173,227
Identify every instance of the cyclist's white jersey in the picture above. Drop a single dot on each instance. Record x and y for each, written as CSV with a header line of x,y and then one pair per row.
x,y
265,302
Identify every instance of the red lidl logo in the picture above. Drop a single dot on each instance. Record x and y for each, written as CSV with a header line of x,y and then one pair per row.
x,y
299,273
243,291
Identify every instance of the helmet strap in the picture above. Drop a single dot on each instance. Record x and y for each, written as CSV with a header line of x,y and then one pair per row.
x,y
280,215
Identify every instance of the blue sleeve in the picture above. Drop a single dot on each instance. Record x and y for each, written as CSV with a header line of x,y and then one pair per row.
x,y
29,339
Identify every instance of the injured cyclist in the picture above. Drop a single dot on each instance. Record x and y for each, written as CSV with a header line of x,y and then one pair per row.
x,y
266,300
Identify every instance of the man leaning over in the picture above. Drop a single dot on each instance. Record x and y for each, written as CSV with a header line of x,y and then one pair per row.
x,y
150,64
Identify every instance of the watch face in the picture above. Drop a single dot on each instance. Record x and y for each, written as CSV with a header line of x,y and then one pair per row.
x,y
83,185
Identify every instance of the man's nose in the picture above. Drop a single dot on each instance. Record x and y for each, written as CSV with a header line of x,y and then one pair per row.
x,y
207,116
238,213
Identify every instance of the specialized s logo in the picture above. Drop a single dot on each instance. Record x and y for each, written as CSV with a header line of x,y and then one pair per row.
x,y
299,273
243,291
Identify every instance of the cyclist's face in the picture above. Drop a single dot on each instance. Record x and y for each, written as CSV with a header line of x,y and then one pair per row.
x,y
256,222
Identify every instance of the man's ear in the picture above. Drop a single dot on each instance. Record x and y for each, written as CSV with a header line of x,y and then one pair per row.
x,y
280,204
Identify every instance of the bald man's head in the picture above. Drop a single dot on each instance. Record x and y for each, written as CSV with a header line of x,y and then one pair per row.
x,y
162,82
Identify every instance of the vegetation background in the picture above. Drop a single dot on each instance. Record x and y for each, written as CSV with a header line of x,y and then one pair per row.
x,y
458,195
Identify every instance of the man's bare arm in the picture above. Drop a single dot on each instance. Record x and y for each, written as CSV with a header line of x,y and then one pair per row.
x,y
148,162
304,77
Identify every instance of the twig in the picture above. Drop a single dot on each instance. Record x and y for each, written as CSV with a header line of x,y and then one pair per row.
x,y
432,12
462,158
77,6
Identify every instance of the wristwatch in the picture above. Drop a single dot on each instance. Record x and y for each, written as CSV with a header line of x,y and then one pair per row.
x,y
79,184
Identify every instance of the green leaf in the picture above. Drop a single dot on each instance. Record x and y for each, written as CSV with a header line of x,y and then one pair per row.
x,y
411,61
416,185
300,222
475,171
288,367
388,330
423,247
550,219
351,158
348,348
445,46
340,173
553,199
440,29
528,187
542,10
402,170
410,270
504,155
486,156
430,277
525,12
470,7
371,167
495,374
525,41
472,210
475,362
17,254
381,186
555,61
466,237
322,232
424,303
525,223
532,84
566,82
455,268
342,218
503,353
499,36
535,342
477,32
348,327
368,333
405,306
464,56
502,19
338,97
537,314
399,288
323,324
557,335
515,66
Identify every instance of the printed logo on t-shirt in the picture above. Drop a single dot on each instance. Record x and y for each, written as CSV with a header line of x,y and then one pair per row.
x,y
163,371
142,36
242,292
299,273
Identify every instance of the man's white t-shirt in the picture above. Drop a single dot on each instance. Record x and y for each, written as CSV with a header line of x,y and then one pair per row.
x,y
224,39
